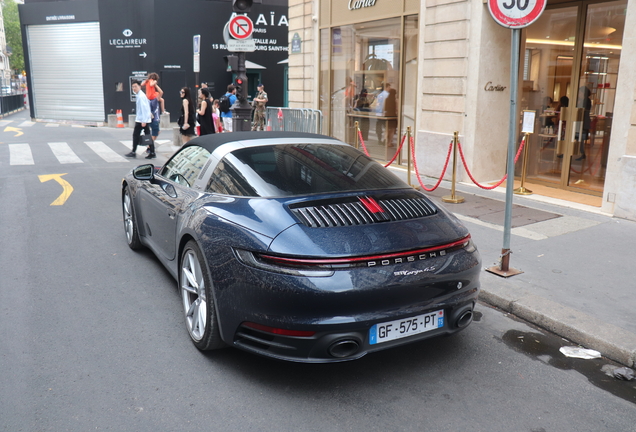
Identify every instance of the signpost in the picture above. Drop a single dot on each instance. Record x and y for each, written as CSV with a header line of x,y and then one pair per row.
x,y
238,38
196,66
515,15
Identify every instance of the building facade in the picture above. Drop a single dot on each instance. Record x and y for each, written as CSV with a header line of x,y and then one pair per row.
x,y
82,55
446,65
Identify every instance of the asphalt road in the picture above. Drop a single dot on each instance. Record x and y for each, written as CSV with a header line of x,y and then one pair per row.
x,y
92,337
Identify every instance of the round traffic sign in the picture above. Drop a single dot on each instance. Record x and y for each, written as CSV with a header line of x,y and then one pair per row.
x,y
516,13
241,27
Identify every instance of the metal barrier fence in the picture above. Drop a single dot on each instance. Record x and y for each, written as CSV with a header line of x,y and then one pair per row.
x,y
294,119
11,103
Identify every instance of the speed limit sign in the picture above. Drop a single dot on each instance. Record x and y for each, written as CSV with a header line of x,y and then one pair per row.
x,y
516,14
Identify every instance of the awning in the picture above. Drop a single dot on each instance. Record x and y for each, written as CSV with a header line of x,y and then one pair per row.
x,y
252,65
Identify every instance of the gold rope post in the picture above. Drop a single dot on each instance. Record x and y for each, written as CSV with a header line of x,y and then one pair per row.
x,y
357,135
453,198
521,190
408,155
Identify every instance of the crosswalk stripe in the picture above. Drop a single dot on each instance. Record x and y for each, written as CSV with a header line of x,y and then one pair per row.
x,y
52,125
105,152
64,154
26,124
20,154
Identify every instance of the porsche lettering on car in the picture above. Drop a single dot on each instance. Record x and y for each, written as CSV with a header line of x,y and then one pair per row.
x,y
300,247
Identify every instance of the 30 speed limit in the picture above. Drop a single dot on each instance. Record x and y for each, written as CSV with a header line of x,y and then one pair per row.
x,y
516,13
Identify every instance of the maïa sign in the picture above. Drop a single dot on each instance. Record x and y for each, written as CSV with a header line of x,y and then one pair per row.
x,y
516,14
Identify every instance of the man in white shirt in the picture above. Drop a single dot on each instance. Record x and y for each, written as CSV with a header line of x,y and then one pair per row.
x,y
142,122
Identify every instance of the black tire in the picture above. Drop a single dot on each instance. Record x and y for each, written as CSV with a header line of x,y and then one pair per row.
x,y
195,287
130,221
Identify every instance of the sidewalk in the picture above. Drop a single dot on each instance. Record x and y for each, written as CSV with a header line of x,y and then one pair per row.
x,y
578,279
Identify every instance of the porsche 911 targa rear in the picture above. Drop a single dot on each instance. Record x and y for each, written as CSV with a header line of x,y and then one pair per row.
x,y
300,247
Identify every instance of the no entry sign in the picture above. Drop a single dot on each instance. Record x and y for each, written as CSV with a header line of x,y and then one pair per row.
x,y
516,14
241,27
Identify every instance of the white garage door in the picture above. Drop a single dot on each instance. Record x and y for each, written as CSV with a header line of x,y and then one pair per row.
x,y
66,71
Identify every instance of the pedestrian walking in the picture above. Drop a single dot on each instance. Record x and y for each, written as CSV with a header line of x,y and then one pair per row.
x,y
225,103
259,103
186,120
204,113
154,95
142,121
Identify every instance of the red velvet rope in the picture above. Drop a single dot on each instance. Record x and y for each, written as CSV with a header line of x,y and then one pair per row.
x,y
397,152
417,171
461,153
591,165
364,147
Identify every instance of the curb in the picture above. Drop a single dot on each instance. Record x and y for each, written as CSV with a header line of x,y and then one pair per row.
x,y
611,341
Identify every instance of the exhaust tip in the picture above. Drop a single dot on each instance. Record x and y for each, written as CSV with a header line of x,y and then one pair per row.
x,y
344,348
465,319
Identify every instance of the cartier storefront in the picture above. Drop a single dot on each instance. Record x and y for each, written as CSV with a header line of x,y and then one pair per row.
x,y
368,71
440,66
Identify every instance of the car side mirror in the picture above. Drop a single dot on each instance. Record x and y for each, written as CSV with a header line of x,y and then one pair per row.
x,y
144,172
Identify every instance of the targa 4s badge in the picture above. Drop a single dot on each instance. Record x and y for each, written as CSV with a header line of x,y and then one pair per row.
x,y
413,272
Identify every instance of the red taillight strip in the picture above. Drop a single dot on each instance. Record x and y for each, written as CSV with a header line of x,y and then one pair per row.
x,y
297,261
278,331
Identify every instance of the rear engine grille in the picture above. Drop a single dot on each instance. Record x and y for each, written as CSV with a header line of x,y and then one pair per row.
x,y
358,212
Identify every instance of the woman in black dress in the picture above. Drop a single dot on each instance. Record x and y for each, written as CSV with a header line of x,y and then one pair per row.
x,y
186,121
204,114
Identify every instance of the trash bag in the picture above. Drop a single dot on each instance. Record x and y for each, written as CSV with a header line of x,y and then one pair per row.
x,y
624,373
578,352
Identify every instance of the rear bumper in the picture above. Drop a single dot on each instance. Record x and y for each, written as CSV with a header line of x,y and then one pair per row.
x,y
348,341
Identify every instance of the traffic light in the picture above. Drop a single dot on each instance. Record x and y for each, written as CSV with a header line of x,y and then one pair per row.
x,y
241,86
238,83
242,6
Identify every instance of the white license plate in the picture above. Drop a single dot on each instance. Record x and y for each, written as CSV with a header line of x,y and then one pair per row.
x,y
402,328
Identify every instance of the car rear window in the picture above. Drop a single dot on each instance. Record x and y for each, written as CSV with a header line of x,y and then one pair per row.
x,y
298,169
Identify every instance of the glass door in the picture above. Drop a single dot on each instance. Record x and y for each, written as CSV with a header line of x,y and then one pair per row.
x,y
548,66
571,86
592,113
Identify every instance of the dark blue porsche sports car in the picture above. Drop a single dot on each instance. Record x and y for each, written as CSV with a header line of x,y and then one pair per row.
x,y
299,247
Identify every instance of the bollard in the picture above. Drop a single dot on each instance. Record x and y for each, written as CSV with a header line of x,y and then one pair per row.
x,y
453,198
521,190
132,118
164,121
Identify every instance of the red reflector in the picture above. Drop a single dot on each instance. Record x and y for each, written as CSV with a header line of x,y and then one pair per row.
x,y
279,331
371,205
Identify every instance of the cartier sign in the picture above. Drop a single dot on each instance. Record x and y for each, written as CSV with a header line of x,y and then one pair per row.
x,y
359,4
490,87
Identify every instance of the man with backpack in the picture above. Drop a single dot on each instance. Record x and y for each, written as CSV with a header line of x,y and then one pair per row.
x,y
225,102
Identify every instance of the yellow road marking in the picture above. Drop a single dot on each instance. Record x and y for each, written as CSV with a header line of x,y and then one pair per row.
x,y
68,189
12,129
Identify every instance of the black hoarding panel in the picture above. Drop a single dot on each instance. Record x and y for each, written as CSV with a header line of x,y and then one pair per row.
x,y
178,22
143,36
128,48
